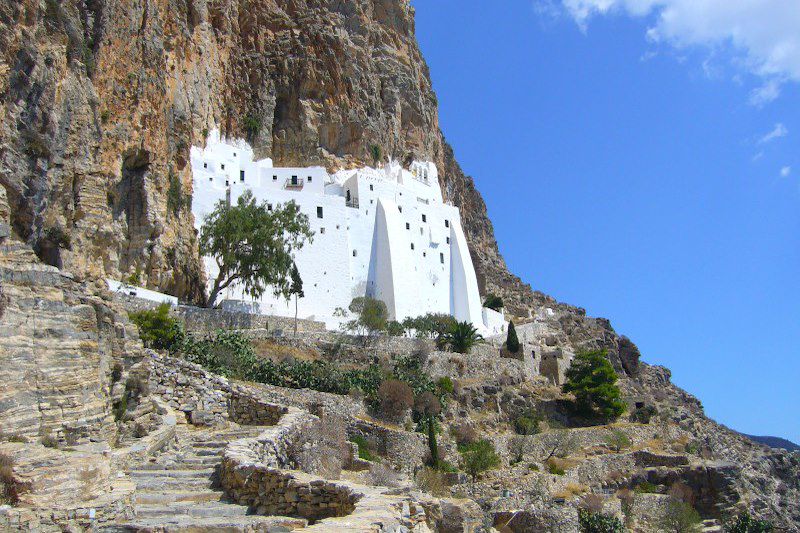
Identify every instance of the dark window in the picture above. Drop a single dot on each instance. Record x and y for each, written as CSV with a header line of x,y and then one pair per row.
x,y
424,254
241,175
205,165
319,212
441,258
446,223
226,183
424,218
309,179
269,207
274,177
408,226
234,154
294,180
412,245
448,240
400,207
371,187
223,166
322,230
210,179
355,253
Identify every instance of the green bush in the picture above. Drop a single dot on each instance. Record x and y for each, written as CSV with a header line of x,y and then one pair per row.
x,y
617,440
158,329
591,522
681,518
363,448
493,302
175,198
527,423
395,328
745,523
252,125
554,467
645,487
643,414
592,380
479,457
445,385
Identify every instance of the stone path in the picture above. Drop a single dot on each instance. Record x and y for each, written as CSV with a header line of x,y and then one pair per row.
x,y
177,490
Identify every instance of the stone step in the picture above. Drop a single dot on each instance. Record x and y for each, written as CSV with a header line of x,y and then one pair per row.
x,y
207,460
165,497
161,483
206,452
209,509
205,473
178,466
189,524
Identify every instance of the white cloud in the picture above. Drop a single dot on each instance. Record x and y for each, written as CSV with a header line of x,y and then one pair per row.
x,y
763,35
785,171
777,132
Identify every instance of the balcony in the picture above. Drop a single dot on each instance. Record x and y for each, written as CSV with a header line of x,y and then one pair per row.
x,y
294,183
352,203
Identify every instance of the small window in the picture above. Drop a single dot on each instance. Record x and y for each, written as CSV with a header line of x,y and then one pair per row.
x,y
309,179
269,207
448,240
227,184
355,253
408,226
241,175
424,218
446,223
205,165
319,212
441,258
371,201
274,177
424,254
294,180
420,231
371,187
322,230
412,245
223,166
400,207
210,179
234,154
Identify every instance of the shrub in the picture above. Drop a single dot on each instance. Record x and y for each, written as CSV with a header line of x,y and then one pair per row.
x,y
363,448
464,433
680,517
617,440
370,316
382,475
479,457
10,487
395,398
462,337
430,325
375,152
158,329
395,328
322,449
48,441
175,199
555,467
745,523
493,302
592,380
643,414
593,522
432,481
512,341
518,446
593,503
445,385
645,487
527,423
252,125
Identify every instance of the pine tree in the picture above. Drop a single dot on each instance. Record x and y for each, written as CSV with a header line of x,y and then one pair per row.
x,y
296,288
512,342
592,380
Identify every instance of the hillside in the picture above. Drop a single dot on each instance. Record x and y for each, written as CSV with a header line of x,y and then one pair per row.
x,y
101,102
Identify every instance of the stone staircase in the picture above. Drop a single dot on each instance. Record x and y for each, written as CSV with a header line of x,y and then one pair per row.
x,y
178,490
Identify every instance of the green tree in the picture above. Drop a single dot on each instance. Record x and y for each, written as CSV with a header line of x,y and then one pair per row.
x,y
428,407
592,380
158,329
462,337
395,328
253,246
512,342
375,152
296,289
370,316
493,302
745,523
617,440
680,518
479,457
592,522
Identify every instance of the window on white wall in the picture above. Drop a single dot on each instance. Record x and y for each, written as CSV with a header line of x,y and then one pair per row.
x,y
400,207
371,187
274,177
319,212
448,240
446,223
408,226
269,207
241,175
412,245
322,230
355,253
441,258
309,179
424,218
223,166
205,165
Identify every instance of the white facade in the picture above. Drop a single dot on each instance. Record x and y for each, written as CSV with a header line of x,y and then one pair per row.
x,y
384,233
141,292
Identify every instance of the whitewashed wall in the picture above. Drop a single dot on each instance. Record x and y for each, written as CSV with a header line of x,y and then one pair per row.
x,y
384,233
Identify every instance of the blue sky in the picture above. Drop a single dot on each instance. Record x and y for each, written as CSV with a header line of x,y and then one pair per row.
x,y
646,170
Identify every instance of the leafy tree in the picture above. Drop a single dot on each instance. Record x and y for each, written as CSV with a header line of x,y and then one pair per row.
x,y
592,380
395,328
479,457
370,316
680,518
429,325
296,289
252,125
745,523
253,246
592,522
527,423
395,398
158,329
462,337
617,440
493,302
512,342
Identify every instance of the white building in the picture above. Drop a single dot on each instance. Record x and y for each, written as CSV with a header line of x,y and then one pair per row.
x,y
383,233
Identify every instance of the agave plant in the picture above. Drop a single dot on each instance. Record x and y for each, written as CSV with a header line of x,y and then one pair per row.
x,y
462,337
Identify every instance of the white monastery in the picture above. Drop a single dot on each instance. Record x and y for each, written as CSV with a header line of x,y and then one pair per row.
x,y
384,233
